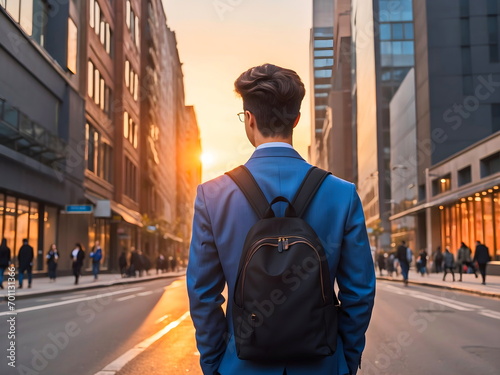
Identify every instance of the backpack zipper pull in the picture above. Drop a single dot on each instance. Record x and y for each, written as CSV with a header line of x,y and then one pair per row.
x,y
280,245
285,246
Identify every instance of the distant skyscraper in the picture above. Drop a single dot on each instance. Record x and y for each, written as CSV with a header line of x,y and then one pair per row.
x,y
383,46
321,73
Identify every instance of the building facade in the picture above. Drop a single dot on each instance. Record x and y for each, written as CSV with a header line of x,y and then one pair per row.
x,y
457,160
85,125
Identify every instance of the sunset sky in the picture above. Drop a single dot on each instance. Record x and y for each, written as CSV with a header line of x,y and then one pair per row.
x,y
217,41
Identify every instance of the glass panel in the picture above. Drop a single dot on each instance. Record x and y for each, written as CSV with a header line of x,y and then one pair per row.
x,y
13,9
23,211
90,79
2,209
323,43
397,31
127,14
397,48
97,17
33,229
408,31
496,203
125,124
102,33
137,31
135,135
9,231
127,73
102,93
49,227
320,63
324,53
136,87
488,221
72,46
385,31
478,213
96,86
27,16
91,13
108,39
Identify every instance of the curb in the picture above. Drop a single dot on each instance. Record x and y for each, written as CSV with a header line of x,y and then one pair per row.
x,y
440,286
105,284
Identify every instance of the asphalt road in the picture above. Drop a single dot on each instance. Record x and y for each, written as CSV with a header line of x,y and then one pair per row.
x,y
414,330
80,333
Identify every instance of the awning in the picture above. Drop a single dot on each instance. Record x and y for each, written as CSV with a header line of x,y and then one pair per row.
x,y
169,236
130,216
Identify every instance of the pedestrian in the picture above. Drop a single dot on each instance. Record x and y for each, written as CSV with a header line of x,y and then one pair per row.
x,y
464,259
145,263
96,255
438,260
4,260
390,264
122,262
381,262
482,257
25,259
422,262
223,216
52,258
77,255
405,257
160,263
174,264
135,263
448,263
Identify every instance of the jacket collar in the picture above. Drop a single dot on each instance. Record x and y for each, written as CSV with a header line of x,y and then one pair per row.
x,y
276,152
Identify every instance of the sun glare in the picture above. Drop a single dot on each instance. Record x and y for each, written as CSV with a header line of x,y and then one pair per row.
x,y
207,159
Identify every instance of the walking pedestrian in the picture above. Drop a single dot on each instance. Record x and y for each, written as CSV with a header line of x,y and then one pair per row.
x,y
405,257
381,262
122,262
77,255
482,257
449,264
422,262
223,217
135,263
25,258
4,260
52,258
464,259
96,255
390,264
438,260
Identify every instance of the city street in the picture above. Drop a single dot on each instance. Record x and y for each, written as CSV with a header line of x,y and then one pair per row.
x,y
143,328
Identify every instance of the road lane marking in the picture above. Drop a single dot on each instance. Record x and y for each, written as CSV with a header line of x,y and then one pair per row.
x,y
125,358
125,298
61,303
143,294
71,297
490,314
165,317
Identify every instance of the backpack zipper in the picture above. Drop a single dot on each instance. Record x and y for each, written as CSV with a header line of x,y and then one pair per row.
x,y
282,245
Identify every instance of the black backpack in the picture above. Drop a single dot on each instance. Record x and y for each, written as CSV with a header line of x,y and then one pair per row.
x,y
284,306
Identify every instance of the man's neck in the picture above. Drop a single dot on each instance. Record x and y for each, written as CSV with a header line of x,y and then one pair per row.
x,y
262,140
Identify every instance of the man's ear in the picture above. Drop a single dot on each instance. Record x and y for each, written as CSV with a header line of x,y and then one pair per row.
x,y
296,120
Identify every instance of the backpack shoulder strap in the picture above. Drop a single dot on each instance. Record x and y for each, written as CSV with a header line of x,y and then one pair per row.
x,y
247,184
310,185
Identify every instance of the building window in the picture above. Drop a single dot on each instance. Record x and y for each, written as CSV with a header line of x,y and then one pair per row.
x,y
100,26
323,73
132,22
464,176
98,154
493,38
130,129
495,117
131,80
490,165
130,183
98,90
72,46
441,185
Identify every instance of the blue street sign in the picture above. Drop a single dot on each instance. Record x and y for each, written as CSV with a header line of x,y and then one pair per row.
x,y
79,208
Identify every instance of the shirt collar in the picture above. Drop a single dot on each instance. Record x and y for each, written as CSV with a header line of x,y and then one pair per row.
x,y
274,144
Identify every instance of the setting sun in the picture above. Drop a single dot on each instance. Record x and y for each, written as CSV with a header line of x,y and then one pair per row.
x,y
207,158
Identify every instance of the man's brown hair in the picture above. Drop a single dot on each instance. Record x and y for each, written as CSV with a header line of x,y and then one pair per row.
x,y
273,95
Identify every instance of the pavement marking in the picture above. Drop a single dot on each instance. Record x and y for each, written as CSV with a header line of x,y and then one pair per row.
x,y
490,314
143,294
125,298
121,361
165,317
71,297
61,303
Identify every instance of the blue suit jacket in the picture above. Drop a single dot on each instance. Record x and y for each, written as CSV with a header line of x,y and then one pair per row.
x,y
221,221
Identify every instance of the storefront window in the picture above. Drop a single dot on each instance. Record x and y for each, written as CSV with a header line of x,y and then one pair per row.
x,y
2,212
49,227
33,228
23,212
10,224
488,221
496,203
478,213
465,223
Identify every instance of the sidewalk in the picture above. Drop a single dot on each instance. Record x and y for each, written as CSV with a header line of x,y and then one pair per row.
x,y
42,285
469,283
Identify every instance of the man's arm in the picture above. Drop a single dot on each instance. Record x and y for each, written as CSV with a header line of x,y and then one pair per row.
x,y
205,282
356,280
